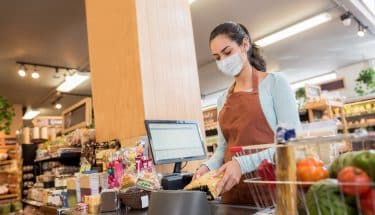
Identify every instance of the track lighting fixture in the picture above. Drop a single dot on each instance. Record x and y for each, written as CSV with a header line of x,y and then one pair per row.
x,y
22,71
58,106
35,74
361,30
346,18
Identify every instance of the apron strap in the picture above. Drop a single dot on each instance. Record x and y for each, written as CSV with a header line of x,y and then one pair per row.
x,y
255,80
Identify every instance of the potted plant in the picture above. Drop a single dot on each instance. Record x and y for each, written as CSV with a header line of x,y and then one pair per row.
x,y
300,97
365,83
6,115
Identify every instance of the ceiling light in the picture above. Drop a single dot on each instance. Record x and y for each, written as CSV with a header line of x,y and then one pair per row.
x,y
35,75
73,81
30,114
361,31
294,29
21,71
58,106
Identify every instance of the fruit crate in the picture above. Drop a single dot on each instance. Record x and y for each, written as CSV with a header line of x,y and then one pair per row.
x,y
316,176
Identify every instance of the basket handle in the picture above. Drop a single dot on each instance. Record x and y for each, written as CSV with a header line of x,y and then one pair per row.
x,y
236,149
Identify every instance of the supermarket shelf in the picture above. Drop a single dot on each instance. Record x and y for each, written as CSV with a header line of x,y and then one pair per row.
x,y
8,196
361,99
37,141
5,162
63,155
322,105
32,202
8,172
363,125
360,115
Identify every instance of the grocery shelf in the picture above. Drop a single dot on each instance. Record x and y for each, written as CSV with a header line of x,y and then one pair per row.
x,y
37,141
360,115
32,202
8,196
5,162
62,155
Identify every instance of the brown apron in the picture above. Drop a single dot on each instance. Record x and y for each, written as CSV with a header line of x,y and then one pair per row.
x,y
243,123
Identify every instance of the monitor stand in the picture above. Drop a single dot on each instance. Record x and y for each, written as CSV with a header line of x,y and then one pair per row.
x,y
176,180
177,167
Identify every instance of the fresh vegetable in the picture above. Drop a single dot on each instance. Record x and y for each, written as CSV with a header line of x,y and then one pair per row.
x,y
361,181
267,170
368,203
311,169
324,198
342,161
366,161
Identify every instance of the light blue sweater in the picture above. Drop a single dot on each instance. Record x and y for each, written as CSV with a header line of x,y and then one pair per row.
x,y
279,107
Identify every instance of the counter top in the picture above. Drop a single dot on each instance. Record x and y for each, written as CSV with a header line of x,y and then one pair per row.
x,y
216,209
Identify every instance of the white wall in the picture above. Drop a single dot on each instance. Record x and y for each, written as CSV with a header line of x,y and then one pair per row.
x,y
350,73
213,82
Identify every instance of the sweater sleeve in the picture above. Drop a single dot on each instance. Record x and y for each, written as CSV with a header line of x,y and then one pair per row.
x,y
285,105
217,158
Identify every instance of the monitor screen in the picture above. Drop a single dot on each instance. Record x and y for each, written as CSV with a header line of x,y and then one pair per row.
x,y
175,141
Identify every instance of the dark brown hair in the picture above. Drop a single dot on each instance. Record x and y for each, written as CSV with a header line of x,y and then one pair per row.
x,y
237,32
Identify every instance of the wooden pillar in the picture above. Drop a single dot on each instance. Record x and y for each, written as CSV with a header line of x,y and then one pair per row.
x,y
143,64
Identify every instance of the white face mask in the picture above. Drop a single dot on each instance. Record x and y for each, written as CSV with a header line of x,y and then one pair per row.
x,y
231,65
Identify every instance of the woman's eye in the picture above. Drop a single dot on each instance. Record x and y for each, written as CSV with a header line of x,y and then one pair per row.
x,y
227,53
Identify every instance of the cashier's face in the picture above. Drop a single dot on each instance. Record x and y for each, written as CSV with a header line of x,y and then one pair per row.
x,y
223,47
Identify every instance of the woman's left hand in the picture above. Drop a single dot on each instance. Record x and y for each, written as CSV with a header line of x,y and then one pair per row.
x,y
232,176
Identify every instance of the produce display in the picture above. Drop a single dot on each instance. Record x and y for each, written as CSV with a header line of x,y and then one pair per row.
x,y
350,188
354,181
311,169
341,162
324,198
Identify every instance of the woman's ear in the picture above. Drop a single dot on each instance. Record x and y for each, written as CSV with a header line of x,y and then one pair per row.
x,y
246,44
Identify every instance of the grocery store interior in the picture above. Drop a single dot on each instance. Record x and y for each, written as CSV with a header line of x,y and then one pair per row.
x,y
129,107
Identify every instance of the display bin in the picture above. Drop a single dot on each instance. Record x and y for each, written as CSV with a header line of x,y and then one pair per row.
x,y
280,188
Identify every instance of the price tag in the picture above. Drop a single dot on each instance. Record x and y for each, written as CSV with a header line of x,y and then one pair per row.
x,y
144,200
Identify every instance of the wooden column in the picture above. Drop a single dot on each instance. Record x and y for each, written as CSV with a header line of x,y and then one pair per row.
x,y
143,64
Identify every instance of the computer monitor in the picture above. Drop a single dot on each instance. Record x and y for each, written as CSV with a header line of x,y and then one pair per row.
x,y
175,141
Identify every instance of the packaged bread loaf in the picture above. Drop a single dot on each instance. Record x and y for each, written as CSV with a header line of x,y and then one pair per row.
x,y
209,181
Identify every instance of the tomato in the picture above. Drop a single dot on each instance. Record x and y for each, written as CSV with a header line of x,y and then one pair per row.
x,y
354,175
310,161
311,169
368,203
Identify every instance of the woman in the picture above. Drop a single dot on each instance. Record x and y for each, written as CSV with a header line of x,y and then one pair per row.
x,y
249,111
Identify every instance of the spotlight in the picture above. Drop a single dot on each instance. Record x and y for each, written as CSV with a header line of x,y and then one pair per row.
x,y
346,19
35,75
361,31
21,71
58,106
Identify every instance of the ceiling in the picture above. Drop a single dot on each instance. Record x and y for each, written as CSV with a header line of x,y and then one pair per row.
x,y
54,32
46,32
318,50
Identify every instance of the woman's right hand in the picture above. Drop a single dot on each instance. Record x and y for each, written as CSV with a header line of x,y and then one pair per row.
x,y
200,171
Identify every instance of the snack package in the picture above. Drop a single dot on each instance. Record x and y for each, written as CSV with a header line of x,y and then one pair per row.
x,y
208,181
128,180
148,181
